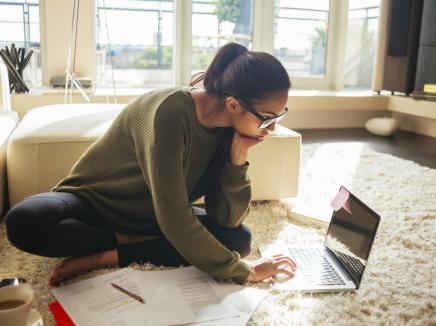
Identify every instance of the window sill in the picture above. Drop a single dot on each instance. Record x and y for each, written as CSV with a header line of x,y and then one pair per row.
x,y
42,91
139,91
346,100
343,93
299,100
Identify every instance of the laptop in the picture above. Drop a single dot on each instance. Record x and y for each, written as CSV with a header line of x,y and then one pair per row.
x,y
339,264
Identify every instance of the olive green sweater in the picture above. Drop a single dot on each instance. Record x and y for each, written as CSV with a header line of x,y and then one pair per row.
x,y
156,159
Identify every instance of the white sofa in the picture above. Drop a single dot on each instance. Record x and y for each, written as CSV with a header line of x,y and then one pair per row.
x,y
8,121
7,125
49,139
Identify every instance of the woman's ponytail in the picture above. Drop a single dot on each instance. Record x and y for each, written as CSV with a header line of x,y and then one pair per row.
x,y
223,58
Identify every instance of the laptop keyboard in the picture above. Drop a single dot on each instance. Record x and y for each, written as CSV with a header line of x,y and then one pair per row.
x,y
354,264
315,266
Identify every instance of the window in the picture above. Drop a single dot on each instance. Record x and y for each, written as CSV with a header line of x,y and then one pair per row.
x,y
361,43
215,23
19,24
300,36
323,44
139,35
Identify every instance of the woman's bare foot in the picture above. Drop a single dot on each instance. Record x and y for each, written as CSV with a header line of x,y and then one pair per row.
x,y
73,266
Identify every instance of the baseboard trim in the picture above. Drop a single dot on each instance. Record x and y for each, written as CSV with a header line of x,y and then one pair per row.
x,y
416,124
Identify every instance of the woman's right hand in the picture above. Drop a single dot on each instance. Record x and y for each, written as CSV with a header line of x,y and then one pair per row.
x,y
269,267
240,146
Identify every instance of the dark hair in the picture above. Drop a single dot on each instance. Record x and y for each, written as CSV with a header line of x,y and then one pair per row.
x,y
249,75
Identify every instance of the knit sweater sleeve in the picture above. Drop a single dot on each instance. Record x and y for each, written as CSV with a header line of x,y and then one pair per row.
x,y
228,201
161,162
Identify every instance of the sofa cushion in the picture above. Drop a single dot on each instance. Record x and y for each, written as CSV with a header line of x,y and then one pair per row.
x,y
66,123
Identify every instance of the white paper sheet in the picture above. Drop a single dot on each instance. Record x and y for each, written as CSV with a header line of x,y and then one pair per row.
x,y
190,293
244,300
95,302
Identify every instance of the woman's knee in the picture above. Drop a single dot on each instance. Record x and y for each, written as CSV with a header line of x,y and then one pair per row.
x,y
242,240
16,226
236,239
26,219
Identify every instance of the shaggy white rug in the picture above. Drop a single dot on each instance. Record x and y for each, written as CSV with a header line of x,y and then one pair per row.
x,y
398,286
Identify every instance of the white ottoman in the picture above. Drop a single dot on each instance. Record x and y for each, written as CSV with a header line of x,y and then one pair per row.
x,y
50,139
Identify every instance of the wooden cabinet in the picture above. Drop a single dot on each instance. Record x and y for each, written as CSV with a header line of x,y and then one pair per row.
x,y
404,25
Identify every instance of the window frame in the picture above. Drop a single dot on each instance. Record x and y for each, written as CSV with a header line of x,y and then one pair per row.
x,y
263,40
26,23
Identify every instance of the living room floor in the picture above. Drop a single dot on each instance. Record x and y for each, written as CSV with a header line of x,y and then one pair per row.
x,y
407,145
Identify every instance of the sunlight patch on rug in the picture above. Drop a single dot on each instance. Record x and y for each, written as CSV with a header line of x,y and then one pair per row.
x,y
324,168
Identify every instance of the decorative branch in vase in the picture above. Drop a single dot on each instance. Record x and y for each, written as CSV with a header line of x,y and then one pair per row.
x,y
16,61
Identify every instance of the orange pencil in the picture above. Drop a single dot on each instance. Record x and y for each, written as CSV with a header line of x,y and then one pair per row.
x,y
130,294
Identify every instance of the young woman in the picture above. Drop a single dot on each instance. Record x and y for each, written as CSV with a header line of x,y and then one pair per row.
x,y
128,198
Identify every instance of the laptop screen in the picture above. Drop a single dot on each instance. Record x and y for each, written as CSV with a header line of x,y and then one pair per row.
x,y
350,235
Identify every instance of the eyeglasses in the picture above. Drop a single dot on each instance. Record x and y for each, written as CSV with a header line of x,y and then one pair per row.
x,y
266,121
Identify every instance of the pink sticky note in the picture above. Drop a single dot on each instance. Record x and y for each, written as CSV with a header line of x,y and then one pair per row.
x,y
346,206
341,200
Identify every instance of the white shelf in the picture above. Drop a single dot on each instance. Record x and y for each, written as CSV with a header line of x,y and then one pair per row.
x,y
408,105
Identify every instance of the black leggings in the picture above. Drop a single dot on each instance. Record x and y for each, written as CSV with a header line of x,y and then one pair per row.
x,y
61,224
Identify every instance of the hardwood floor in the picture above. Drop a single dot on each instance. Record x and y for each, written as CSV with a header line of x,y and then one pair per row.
x,y
418,148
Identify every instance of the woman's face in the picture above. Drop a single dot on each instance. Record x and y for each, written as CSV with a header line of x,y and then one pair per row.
x,y
247,124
